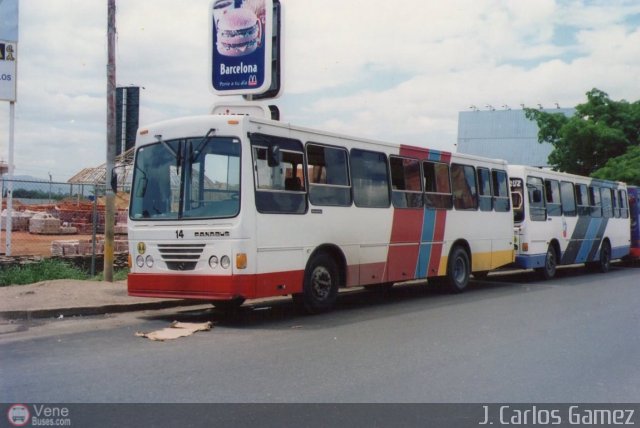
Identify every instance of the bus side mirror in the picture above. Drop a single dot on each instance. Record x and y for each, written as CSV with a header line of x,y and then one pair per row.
x,y
273,155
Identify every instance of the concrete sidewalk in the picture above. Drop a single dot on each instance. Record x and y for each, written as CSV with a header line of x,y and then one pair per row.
x,y
68,297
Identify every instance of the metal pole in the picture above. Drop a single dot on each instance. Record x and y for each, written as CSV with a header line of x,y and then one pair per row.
x,y
110,203
94,230
9,218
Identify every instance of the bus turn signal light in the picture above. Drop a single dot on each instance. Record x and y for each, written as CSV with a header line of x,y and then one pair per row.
x,y
241,261
525,246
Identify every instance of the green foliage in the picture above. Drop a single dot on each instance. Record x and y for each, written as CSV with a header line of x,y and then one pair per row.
x,y
623,168
47,270
600,131
36,194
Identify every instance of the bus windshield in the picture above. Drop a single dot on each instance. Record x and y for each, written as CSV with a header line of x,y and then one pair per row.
x,y
187,178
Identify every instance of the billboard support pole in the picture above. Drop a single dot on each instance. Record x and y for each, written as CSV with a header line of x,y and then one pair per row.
x,y
8,219
109,218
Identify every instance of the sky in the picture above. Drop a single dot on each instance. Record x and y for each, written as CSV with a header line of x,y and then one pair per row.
x,y
397,71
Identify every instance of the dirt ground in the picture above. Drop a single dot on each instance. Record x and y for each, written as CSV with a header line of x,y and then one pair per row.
x,y
27,244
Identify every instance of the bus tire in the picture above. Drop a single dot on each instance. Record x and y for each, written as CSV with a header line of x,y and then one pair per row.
x,y
458,270
320,288
604,264
548,271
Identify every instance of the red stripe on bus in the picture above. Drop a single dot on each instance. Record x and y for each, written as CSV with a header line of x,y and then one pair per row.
x,y
438,237
209,287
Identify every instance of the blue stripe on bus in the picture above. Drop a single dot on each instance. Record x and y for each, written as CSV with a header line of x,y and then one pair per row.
x,y
426,239
587,243
428,227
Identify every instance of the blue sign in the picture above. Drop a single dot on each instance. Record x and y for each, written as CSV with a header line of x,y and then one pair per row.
x,y
241,36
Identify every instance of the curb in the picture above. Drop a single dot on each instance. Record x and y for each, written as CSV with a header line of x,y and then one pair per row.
x,y
94,310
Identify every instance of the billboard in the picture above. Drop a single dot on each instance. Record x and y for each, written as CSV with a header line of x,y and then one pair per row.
x,y
8,59
241,46
127,117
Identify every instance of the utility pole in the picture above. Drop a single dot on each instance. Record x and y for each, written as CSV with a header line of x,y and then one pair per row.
x,y
109,219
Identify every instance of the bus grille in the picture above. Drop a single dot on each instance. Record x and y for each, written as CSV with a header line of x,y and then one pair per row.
x,y
181,256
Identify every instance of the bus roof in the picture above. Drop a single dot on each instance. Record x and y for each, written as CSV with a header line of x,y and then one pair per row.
x,y
198,126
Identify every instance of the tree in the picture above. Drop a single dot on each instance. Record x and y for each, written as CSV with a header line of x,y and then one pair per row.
x,y
623,168
600,131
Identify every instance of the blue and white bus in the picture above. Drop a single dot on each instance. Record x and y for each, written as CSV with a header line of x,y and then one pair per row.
x,y
563,219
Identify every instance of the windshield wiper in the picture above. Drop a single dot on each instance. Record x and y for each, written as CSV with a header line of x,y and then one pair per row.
x,y
204,141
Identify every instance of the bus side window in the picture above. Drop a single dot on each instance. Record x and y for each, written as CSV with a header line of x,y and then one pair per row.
x,y
582,199
370,177
594,202
616,204
328,175
535,190
484,189
406,182
624,204
437,185
568,198
279,182
552,192
607,203
500,190
465,188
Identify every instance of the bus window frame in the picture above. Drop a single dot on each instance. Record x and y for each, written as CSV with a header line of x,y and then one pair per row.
x,y
437,200
500,203
568,211
536,205
403,198
328,194
354,189
485,202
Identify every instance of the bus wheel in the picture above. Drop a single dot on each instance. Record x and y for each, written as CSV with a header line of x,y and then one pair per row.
x,y
458,270
320,288
604,265
228,306
550,264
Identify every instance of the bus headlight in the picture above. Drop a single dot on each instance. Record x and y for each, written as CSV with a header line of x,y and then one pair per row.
x,y
213,262
225,262
149,261
140,261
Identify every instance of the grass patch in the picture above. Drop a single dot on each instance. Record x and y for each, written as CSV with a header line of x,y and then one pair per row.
x,y
47,270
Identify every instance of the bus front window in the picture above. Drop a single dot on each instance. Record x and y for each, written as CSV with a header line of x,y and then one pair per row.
x,y
187,178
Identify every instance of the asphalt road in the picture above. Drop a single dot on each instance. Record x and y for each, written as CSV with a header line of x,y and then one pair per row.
x,y
510,338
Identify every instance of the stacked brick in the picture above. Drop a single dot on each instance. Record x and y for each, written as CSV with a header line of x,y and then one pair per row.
x,y
85,247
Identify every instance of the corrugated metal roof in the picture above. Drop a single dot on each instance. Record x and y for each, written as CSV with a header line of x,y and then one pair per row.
x,y
504,134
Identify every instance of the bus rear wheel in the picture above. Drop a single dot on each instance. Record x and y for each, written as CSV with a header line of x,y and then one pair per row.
x,y
550,264
458,270
320,288
604,263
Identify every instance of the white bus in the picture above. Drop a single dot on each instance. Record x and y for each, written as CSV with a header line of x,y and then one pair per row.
x,y
563,219
228,208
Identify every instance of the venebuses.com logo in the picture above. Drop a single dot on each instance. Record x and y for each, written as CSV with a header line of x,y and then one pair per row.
x,y
18,415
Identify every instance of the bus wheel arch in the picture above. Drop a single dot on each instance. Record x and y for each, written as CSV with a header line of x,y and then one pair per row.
x,y
458,267
323,276
551,261
603,264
